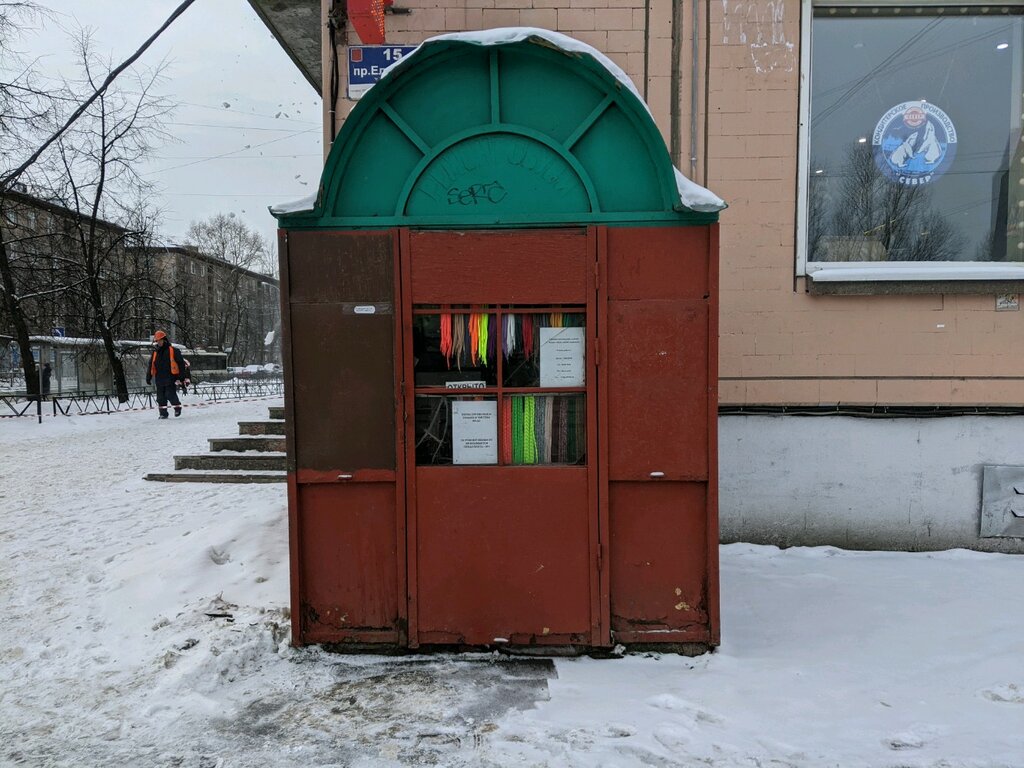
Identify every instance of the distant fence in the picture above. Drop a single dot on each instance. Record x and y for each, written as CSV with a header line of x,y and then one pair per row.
x,y
78,403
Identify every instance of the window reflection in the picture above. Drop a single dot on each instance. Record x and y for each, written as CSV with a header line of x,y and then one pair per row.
x,y
915,138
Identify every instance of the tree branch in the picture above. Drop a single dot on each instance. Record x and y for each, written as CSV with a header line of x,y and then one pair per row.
x,y
11,177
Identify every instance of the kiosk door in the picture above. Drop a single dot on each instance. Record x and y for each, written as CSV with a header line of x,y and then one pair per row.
x,y
500,409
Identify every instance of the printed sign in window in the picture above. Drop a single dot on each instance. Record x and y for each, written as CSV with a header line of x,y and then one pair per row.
x,y
475,432
561,357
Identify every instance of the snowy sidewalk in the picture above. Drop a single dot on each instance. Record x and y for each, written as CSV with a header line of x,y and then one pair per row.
x,y
145,624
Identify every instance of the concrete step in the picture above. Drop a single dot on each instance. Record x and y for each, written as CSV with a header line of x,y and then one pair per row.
x,y
238,461
218,477
248,443
276,411
261,427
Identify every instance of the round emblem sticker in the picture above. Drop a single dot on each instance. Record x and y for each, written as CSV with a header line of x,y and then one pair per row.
x,y
914,143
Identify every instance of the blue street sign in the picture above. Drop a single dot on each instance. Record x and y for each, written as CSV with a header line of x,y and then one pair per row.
x,y
58,332
367,62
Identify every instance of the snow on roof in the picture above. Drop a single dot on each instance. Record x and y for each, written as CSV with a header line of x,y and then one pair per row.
x,y
295,206
72,341
692,195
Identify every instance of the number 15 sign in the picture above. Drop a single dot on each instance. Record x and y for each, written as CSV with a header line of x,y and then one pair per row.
x,y
367,62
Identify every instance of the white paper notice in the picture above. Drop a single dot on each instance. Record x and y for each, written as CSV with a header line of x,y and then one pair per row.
x,y
561,357
475,432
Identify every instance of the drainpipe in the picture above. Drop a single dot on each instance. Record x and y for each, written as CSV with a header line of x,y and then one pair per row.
x,y
694,76
647,45
336,18
675,107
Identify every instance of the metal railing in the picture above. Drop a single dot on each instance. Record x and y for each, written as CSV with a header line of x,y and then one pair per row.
x,y
139,398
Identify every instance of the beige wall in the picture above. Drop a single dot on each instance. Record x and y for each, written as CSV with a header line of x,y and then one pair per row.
x,y
779,345
614,27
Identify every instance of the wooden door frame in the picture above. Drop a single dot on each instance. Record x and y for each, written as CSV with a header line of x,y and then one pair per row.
x,y
408,536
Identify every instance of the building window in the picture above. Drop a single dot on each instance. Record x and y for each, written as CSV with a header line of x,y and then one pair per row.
x,y
913,148
192,265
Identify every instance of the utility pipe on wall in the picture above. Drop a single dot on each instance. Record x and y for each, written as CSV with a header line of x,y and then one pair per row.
x,y
694,79
675,108
676,102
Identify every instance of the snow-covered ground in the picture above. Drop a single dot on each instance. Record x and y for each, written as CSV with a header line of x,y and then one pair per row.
x,y
145,624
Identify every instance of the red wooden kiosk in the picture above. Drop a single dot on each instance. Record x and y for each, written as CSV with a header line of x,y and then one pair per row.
x,y
500,335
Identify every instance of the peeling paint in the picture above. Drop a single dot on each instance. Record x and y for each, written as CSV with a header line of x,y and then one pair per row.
x,y
682,606
760,25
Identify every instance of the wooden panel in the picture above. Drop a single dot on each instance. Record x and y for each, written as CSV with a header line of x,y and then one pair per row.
x,y
515,267
503,552
714,610
341,267
348,562
344,388
657,263
657,389
658,557
286,358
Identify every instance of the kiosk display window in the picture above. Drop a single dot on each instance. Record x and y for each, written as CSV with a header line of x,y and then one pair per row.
x,y
526,368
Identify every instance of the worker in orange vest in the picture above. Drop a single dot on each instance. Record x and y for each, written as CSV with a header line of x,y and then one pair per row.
x,y
166,369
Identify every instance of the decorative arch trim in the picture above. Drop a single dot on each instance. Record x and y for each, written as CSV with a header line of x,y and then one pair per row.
x,y
464,135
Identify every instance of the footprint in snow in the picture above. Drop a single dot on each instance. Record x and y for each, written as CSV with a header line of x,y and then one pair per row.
x,y
671,703
1009,693
619,731
914,737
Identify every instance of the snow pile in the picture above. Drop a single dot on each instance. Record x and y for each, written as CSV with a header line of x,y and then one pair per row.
x,y
146,624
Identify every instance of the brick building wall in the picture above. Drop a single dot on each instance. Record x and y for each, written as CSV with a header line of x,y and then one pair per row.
x,y
779,344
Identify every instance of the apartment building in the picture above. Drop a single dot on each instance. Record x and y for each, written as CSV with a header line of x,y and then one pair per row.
x,y
219,305
205,302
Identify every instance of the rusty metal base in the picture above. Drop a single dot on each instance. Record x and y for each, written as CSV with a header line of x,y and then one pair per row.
x,y
533,651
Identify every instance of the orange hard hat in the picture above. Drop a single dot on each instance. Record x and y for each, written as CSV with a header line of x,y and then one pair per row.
x,y
159,335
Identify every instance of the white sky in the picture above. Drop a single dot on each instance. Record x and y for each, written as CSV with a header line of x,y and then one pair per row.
x,y
218,52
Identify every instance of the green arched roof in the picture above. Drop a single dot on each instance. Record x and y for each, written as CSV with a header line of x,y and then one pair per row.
x,y
512,134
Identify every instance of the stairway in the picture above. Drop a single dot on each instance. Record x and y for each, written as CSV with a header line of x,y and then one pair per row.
x,y
255,455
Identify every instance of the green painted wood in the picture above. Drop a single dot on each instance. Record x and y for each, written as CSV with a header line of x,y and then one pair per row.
x,y
461,135
494,172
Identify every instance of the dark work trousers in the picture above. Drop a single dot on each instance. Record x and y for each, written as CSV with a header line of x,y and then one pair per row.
x,y
165,393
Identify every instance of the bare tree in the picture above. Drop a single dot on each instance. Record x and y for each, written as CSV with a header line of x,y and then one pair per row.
x,y
236,319
95,177
23,105
872,217
229,239
24,140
